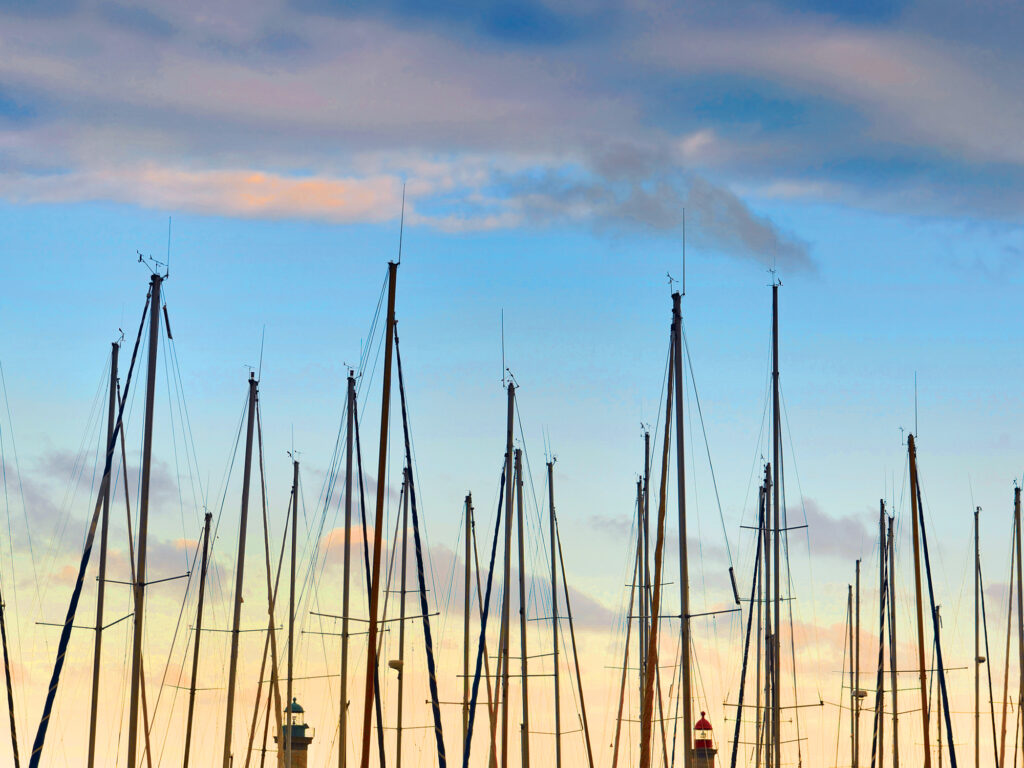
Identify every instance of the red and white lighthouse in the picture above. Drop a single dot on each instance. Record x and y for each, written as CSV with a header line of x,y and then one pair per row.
x,y
703,744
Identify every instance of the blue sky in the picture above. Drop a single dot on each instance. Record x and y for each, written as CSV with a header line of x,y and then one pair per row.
x,y
548,149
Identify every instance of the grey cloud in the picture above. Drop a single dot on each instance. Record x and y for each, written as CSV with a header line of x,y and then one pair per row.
x,y
845,536
138,19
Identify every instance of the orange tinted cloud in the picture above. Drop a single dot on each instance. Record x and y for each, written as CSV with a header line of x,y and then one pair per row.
x,y
244,193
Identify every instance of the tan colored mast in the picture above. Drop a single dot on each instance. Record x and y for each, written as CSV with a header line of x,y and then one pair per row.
x,y
239,573
102,576
382,468
917,594
139,585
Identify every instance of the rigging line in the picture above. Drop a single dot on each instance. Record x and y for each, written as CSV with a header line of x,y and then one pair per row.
x,y
191,453
746,644
21,488
366,563
174,442
482,645
707,445
170,653
65,635
988,667
271,606
789,603
935,623
10,688
807,534
419,570
575,654
17,613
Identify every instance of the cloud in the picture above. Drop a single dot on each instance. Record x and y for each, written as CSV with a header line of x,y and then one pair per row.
x,y
300,116
248,194
844,537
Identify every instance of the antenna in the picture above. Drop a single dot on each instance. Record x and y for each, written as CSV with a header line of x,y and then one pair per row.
x,y
684,251
263,336
915,405
168,247
503,346
401,225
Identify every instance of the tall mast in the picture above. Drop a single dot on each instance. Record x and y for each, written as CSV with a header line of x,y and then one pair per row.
x,y
917,596
892,647
643,584
102,577
977,646
195,643
1020,595
139,587
647,700
684,568
239,572
853,691
776,449
382,468
506,592
762,543
856,678
938,693
629,628
291,615
880,693
523,654
554,613
343,704
401,621
465,617
1006,662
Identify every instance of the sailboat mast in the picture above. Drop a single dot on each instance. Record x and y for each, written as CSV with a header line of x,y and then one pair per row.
x,y
523,654
684,568
762,543
378,525
977,645
198,635
465,616
239,572
892,646
1020,594
856,676
923,675
291,615
139,586
880,693
506,590
776,449
643,584
401,621
849,627
102,576
554,613
346,575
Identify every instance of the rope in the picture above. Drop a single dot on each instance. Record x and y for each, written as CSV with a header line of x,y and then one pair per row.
x,y
10,689
428,640
482,647
366,562
746,644
65,634
935,627
880,679
988,665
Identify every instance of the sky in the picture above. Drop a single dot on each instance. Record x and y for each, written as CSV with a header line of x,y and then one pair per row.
x,y
548,171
